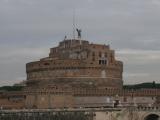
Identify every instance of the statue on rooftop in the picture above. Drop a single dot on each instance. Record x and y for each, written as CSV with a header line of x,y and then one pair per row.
x,y
79,32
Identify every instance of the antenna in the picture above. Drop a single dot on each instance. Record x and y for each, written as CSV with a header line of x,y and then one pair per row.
x,y
74,24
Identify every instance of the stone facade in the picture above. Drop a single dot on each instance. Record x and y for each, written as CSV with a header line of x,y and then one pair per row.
x,y
147,113
88,98
77,74
77,62
10,100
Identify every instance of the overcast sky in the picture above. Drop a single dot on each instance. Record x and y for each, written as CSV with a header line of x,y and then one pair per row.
x,y
28,28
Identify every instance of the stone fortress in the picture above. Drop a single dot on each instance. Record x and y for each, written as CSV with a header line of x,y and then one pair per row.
x,y
77,63
77,74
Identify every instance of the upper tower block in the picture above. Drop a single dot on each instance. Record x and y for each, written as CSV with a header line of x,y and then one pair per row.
x,y
68,44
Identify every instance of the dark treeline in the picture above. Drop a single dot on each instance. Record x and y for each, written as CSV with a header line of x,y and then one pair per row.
x,y
151,85
11,88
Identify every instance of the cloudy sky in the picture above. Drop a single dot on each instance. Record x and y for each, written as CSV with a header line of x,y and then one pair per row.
x,y
28,28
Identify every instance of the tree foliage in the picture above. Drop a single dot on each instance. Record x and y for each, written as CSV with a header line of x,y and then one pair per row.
x,y
151,85
11,88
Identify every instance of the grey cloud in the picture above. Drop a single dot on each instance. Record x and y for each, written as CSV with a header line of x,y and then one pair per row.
x,y
140,65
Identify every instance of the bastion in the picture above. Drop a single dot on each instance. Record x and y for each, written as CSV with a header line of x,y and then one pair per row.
x,y
77,63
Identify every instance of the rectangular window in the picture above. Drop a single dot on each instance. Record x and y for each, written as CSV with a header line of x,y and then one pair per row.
x,y
102,62
105,55
100,54
105,62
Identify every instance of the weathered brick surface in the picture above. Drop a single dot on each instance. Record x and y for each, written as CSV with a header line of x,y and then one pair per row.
x,y
78,62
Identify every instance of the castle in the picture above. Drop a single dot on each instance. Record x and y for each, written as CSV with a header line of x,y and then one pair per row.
x,y
77,74
77,63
